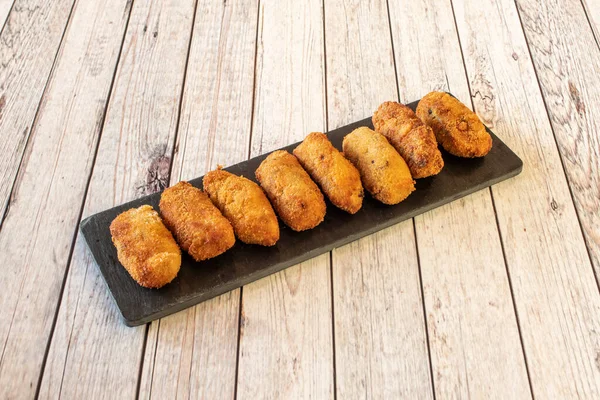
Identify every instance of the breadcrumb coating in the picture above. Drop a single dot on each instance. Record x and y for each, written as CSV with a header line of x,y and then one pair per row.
x,y
458,129
414,141
245,205
337,177
198,225
296,198
145,247
383,171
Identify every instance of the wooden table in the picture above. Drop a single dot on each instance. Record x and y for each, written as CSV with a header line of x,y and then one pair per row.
x,y
492,296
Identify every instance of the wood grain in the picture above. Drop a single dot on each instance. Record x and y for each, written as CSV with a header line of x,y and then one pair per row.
x,y
592,10
571,90
5,7
555,292
380,337
93,354
286,346
37,235
192,354
196,352
28,46
473,333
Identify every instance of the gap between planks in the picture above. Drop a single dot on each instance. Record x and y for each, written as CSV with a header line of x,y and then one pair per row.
x,y
68,265
589,20
333,348
15,178
512,295
558,150
177,124
387,4
5,12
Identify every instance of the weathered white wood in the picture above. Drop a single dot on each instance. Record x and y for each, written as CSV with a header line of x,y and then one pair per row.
x,y
28,46
286,348
5,6
197,349
93,354
192,354
380,338
572,93
217,100
592,9
473,333
37,235
553,283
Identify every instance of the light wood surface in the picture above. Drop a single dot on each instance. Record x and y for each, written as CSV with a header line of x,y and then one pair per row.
x,y
29,42
553,284
592,11
471,322
571,90
380,337
286,348
200,360
5,6
492,296
85,360
49,192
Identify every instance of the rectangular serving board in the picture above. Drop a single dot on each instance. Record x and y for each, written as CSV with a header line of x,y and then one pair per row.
x,y
242,264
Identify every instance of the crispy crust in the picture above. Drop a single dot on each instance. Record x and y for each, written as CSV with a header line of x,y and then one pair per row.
x,y
456,128
198,225
296,198
337,177
414,141
245,205
145,247
383,171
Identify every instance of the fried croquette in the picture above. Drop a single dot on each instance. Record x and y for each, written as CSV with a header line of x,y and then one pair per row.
x,y
383,171
198,225
414,141
458,129
145,247
296,198
245,205
337,177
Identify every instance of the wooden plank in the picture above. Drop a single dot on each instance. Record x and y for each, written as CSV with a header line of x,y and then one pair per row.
x,y
183,352
93,354
37,235
555,292
28,46
380,337
196,350
286,348
572,91
473,333
5,7
592,10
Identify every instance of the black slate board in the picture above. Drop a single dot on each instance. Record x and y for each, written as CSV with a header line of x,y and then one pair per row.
x,y
244,263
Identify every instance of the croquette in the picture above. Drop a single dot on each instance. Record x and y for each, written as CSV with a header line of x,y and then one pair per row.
x,y
338,178
295,197
458,129
383,171
414,140
145,247
245,205
198,226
